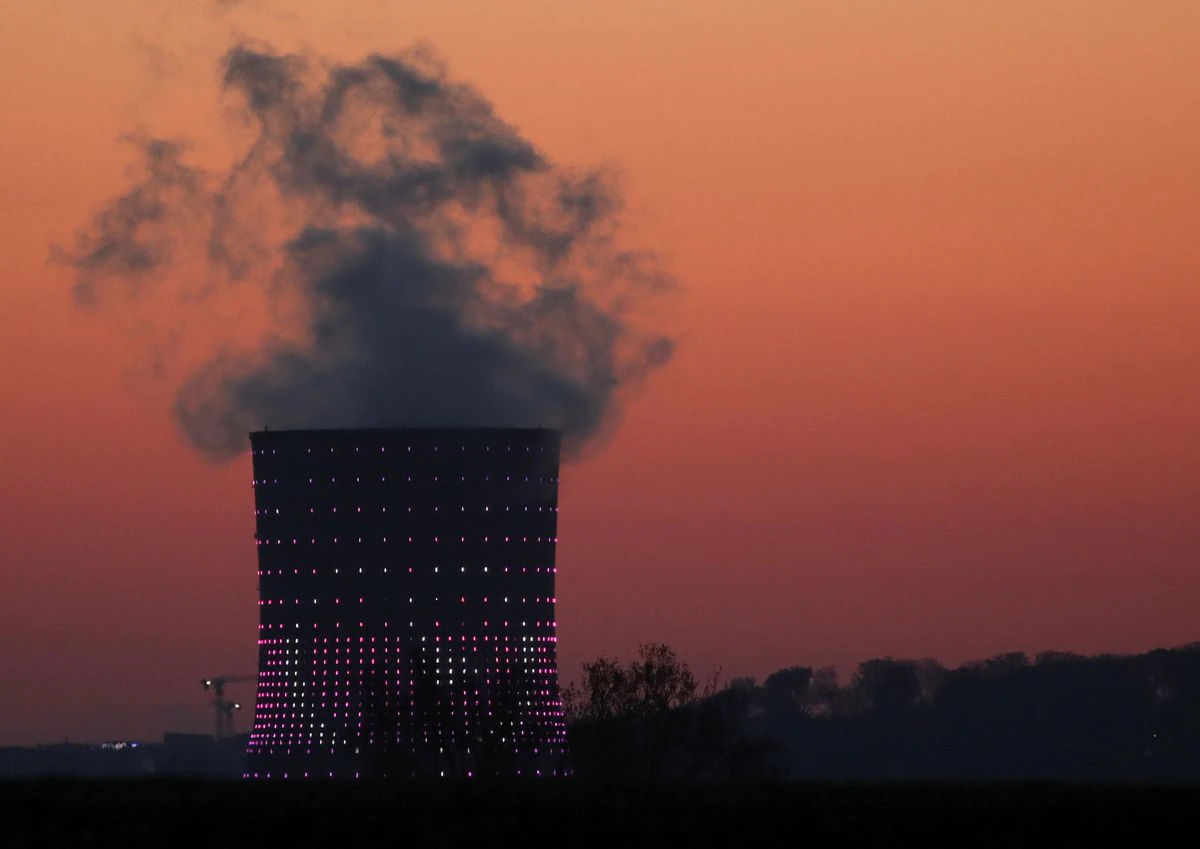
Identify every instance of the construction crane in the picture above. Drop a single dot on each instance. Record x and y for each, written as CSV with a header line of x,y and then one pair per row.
x,y
224,709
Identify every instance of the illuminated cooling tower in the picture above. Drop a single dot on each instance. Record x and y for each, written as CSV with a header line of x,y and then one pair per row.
x,y
406,585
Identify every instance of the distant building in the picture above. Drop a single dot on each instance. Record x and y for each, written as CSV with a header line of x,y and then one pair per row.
x,y
406,581
178,755
80,760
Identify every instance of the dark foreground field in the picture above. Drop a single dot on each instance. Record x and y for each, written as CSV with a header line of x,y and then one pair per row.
x,y
166,813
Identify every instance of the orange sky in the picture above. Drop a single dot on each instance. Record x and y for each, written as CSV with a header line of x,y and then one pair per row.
x,y
935,392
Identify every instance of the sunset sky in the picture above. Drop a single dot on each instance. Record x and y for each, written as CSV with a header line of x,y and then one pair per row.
x,y
938,322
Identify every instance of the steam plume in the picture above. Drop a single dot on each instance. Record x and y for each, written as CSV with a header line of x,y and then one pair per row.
x,y
419,261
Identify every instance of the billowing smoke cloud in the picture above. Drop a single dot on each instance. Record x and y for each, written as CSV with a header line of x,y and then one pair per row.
x,y
420,261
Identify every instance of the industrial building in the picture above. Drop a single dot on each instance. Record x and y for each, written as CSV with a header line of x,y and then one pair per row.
x,y
406,592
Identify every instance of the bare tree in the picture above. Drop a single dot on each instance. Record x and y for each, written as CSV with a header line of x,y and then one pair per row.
x,y
656,682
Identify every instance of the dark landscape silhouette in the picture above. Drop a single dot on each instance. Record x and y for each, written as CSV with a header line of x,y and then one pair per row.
x,y
1060,749
1055,717
1058,717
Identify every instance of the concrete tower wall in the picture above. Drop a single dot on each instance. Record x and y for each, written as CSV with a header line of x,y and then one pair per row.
x,y
406,583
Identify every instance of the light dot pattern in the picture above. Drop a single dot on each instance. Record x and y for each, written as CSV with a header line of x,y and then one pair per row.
x,y
406,596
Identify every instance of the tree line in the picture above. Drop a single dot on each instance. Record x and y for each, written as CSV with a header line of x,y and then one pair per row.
x,y
1055,716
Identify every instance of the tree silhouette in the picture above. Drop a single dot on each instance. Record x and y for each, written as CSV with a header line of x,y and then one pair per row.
x,y
886,686
655,682
1062,717
786,693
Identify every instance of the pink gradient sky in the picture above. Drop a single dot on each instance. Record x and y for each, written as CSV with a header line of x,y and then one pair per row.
x,y
939,337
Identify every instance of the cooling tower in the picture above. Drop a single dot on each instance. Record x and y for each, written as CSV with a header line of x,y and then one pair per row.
x,y
406,592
